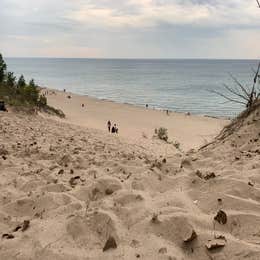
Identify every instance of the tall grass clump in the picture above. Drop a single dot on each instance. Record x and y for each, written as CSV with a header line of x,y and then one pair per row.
x,y
162,133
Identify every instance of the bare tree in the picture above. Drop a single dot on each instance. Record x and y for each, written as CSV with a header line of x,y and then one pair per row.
x,y
258,3
241,94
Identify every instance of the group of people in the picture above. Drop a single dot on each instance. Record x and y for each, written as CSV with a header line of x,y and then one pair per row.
x,y
114,129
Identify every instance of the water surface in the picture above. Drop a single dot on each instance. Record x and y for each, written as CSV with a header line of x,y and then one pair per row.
x,y
179,85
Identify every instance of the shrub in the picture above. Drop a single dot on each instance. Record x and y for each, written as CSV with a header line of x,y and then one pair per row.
x,y
162,133
42,101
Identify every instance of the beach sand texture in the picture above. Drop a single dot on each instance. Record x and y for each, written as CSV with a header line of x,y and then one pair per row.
x,y
66,190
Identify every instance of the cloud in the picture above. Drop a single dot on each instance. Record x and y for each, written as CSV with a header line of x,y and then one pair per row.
x,y
140,13
149,15
129,28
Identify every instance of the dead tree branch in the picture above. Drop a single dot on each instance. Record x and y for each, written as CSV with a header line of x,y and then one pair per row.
x,y
226,97
240,94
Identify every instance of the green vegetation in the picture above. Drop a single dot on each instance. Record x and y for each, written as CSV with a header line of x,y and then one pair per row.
x,y
19,94
162,133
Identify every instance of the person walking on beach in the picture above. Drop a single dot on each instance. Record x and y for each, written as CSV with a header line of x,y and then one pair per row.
x,y
109,126
114,129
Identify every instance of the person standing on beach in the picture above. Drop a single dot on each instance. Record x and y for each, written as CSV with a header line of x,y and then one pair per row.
x,y
114,129
109,126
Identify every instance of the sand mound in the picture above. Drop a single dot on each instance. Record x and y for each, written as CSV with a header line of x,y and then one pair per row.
x,y
31,206
92,230
98,190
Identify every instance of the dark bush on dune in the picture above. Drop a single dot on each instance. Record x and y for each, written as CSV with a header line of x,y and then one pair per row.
x,y
19,94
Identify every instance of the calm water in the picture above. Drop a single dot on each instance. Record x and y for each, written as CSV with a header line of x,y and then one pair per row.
x,y
179,85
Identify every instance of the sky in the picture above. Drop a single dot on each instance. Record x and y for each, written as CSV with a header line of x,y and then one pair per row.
x,y
130,28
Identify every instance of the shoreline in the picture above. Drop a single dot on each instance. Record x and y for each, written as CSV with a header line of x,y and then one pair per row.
x,y
137,124
142,106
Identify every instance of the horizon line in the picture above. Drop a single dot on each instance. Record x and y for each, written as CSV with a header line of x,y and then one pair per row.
x,y
105,58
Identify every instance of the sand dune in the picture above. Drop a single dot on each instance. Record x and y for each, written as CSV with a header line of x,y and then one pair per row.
x,y
71,192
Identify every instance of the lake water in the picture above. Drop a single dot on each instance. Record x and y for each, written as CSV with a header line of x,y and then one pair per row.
x,y
178,85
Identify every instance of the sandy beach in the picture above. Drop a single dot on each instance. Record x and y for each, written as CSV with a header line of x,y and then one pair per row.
x,y
70,190
136,124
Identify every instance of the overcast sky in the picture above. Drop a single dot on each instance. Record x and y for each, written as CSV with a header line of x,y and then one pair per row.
x,y
130,28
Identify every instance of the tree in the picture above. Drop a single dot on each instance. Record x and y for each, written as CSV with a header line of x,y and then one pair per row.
x,y
31,83
31,92
10,79
21,82
241,94
2,68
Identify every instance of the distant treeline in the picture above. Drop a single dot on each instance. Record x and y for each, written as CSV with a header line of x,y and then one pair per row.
x,y
19,93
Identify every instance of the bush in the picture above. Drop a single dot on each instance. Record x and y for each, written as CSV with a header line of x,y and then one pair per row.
x,y
42,101
162,133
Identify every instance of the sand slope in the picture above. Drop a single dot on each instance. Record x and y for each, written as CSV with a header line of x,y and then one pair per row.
x,y
78,187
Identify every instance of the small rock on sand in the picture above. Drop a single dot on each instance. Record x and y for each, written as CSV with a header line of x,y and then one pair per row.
x,y
111,243
162,250
189,234
61,171
155,219
8,236
109,191
185,163
209,175
73,181
215,243
206,176
26,225
221,217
